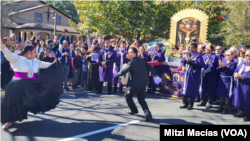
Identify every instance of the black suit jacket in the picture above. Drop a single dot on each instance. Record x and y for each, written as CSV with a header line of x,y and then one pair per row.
x,y
138,75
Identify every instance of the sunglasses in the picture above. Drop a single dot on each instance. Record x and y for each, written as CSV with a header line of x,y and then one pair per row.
x,y
242,51
217,49
247,55
228,55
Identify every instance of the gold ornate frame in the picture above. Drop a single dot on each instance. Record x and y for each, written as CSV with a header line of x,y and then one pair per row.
x,y
194,13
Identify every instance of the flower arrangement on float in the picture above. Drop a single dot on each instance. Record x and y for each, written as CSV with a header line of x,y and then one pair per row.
x,y
172,52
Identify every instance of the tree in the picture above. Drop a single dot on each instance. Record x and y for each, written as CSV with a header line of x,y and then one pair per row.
x,y
237,28
6,9
144,21
213,9
65,6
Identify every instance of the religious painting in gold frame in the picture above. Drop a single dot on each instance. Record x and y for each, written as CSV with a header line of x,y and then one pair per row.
x,y
187,29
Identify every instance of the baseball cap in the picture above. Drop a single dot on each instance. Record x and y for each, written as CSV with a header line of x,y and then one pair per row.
x,y
95,41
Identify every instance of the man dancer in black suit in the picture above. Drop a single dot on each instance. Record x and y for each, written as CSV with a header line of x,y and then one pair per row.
x,y
137,82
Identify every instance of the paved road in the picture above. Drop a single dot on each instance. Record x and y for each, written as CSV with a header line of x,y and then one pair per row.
x,y
81,112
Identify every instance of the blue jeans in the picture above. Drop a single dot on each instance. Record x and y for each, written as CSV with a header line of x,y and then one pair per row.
x,y
65,70
76,76
84,78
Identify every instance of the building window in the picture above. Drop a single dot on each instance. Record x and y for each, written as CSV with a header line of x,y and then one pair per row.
x,y
58,20
38,17
47,37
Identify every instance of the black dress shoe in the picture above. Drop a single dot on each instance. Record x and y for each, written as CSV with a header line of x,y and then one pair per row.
x,y
220,109
148,91
224,112
77,87
183,106
201,104
239,115
114,92
89,89
121,92
190,107
66,88
234,109
110,93
153,92
131,113
148,116
98,92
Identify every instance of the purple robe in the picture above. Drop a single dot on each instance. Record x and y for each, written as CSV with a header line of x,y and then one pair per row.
x,y
209,81
124,57
106,74
145,57
159,57
225,82
235,58
220,57
192,78
242,88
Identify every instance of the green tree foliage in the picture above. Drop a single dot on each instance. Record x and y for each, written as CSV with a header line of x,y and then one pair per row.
x,y
237,28
213,9
6,9
135,19
65,6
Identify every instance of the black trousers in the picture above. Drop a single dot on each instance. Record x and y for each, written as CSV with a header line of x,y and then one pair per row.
x,y
141,99
100,87
150,87
206,98
6,74
186,102
115,85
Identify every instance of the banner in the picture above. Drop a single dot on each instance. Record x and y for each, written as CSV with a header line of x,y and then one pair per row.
x,y
172,80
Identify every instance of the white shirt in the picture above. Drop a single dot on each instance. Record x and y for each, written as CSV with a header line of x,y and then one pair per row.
x,y
17,51
40,50
22,64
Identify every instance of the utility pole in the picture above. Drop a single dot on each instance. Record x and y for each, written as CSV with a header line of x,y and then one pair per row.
x,y
54,17
1,19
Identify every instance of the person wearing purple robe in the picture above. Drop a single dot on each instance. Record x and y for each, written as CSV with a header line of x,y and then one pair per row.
x,y
191,65
235,58
155,56
200,50
220,56
142,53
242,87
106,59
208,80
225,81
121,59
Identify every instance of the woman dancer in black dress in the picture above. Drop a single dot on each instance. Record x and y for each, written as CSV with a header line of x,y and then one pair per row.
x,y
27,91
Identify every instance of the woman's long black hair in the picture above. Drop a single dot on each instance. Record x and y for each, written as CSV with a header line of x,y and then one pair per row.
x,y
27,48
39,45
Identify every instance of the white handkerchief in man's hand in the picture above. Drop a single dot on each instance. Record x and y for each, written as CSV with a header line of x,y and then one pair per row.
x,y
93,58
157,80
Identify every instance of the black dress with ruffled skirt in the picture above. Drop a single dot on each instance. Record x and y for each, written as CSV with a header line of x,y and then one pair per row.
x,y
40,95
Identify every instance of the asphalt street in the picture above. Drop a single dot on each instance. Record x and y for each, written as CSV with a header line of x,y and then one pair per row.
x,y
97,117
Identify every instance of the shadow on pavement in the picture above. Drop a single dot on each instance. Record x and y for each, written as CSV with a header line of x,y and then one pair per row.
x,y
53,129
